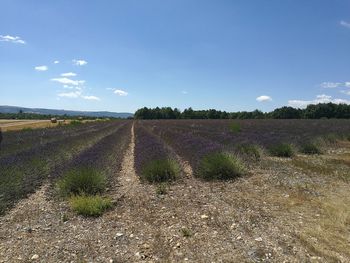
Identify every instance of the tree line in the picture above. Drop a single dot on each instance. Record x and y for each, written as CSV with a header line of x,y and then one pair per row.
x,y
318,111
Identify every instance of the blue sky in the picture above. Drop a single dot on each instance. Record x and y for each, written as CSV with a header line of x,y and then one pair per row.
x,y
226,54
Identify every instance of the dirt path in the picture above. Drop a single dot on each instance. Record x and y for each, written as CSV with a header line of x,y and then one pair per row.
x,y
128,182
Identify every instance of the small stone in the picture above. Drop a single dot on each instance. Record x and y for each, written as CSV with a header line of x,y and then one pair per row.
x,y
146,246
259,239
239,238
35,256
204,216
118,235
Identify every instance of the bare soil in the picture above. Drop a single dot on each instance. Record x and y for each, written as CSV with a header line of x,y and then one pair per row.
x,y
284,210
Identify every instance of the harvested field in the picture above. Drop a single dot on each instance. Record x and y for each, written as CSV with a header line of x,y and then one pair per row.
x,y
15,125
281,210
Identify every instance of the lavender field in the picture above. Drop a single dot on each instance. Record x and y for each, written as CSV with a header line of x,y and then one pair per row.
x,y
180,186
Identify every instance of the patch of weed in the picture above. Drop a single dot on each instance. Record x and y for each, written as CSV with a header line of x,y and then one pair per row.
x,y
282,150
90,205
234,127
162,189
186,232
82,180
220,166
160,171
251,151
310,148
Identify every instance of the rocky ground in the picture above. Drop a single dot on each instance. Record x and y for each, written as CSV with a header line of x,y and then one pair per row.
x,y
284,210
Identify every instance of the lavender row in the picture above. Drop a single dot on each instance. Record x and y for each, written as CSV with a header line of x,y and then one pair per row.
x,y
187,145
263,132
17,141
148,148
105,156
22,173
61,142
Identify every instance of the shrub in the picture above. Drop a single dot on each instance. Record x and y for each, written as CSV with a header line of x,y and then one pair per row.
x,y
75,122
220,166
160,171
82,180
282,150
250,150
310,148
89,205
234,127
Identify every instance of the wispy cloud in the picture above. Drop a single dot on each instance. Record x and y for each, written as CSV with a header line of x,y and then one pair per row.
x,y
73,94
56,62
319,99
90,98
68,87
120,92
68,74
41,68
330,85
79,62
345,24
347,92
263,98
184,92
77,94
67,81
12,39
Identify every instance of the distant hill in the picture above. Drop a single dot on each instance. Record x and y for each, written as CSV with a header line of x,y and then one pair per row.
x,y
16,109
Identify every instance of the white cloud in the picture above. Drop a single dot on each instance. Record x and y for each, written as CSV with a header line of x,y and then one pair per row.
x,y
68,74
330,85
41,68
345,24
73,94
319,99
120,92
263,98
56,62
12,39
347,84
90,98
79,62
77,94
68,81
